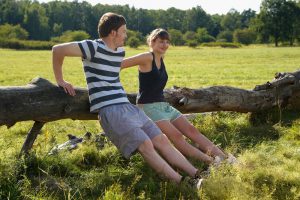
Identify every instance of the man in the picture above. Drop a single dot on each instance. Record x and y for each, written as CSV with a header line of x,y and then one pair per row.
x,y
125,125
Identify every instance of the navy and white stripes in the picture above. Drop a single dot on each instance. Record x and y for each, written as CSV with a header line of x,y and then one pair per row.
x,y
102,68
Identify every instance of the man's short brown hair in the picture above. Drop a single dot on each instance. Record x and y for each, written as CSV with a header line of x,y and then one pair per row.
x,y
109,22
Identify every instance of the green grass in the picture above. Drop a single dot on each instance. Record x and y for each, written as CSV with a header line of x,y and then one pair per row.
x,y
268,151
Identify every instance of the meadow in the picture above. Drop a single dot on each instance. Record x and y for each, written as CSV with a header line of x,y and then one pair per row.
x,y
268,152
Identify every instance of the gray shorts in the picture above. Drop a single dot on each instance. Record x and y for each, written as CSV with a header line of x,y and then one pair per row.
x,y
127,127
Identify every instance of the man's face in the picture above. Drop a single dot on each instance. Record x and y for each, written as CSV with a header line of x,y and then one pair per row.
x,y
120,36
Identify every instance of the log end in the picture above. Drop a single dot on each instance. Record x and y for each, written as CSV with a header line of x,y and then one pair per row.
x,y
40,82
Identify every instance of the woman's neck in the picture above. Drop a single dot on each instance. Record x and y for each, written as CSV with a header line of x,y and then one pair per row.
x,y
157,55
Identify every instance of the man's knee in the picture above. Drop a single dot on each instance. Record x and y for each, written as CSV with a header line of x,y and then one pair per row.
x,y
146,147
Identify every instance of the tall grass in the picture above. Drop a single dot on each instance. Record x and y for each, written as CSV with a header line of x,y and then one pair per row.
x,y
268,152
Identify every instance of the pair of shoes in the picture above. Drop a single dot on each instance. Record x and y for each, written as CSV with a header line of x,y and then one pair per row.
x,y
202,173
231,159
194,183
217,161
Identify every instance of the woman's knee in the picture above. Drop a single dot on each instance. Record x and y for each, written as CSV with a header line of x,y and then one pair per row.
x,y
192,130
176,137
161,141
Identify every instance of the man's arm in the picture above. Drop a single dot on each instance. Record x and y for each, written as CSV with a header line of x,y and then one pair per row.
x,y
59,52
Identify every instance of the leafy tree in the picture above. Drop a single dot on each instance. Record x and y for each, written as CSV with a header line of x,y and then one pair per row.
x,y
291,29
12,11
173,18
215,27
143,22
231,21
195,18
246,17
262,35
46,20
297,24
278,19
36,22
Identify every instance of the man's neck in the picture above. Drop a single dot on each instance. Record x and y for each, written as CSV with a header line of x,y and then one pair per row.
x,y
109,43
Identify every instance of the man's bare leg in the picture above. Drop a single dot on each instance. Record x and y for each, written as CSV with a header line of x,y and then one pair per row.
x,y
172,155
157,162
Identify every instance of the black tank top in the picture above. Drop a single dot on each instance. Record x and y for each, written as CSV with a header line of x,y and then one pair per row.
x,y
152,84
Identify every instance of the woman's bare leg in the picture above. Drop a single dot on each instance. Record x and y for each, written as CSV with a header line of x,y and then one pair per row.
x,y
177,138
184,126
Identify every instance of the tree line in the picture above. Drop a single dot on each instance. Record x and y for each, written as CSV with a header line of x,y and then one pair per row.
x,y
277,22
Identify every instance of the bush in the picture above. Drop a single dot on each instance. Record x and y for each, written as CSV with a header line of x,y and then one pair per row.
x,y
203,36
244,36
8,31
225,36
176,37
189,36
69,36
136,34
26,44
222,44
133,42
192,43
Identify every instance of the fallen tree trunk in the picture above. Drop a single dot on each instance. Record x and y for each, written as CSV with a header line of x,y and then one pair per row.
x,y
41,101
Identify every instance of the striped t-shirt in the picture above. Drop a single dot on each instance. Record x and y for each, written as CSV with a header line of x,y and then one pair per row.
x,y
102,67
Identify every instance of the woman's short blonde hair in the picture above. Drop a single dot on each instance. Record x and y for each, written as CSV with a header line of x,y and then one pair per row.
x,y
158,33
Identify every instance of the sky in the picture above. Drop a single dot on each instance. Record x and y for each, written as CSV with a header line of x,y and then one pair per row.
x,y
209,6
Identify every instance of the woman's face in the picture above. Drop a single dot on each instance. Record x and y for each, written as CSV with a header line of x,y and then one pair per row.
x,y
160,45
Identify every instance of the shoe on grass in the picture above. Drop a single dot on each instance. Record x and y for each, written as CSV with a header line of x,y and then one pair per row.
x,y
231,159
200,174
194,183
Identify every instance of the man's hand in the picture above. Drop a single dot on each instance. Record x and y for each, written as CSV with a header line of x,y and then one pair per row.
x,y
68,87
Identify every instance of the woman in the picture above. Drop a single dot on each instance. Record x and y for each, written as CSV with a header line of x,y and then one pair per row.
x,y
152,80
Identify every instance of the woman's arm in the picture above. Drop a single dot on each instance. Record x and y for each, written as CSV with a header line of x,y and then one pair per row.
x,y
140,60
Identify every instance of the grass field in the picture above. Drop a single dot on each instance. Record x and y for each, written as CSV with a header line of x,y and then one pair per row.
x,y
268,153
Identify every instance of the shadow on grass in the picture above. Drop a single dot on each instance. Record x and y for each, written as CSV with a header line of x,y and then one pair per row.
x,y
92,177
234,131
275,116
89,174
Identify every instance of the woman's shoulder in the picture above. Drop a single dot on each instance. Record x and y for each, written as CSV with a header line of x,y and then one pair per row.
x,y
147,55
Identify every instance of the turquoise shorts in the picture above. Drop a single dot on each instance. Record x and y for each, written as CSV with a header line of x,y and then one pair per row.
x,y
160,111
